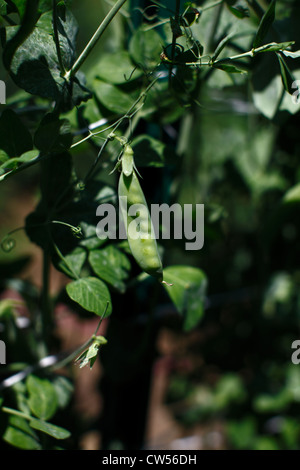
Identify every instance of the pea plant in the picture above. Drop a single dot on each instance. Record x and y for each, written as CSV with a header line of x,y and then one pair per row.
x,y
92,135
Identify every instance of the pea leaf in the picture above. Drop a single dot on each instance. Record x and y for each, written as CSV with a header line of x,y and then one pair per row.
x,y
294,55
15,139
19,434
111,265
53,135
42,397
288,79
239,11
3,7
48,428
74,262
14,163
229,68
91,294
64,389
187,292
274,46
35,66
151,152
145,47
112,97
116,68
264,25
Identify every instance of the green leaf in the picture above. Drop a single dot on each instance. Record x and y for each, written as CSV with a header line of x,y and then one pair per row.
x,y
54,431
272,403
294,55
64,390
274,46
29,16
268,91
116,68
229,68
15,139
90,240
14,163
19,434
111,265
3,7
265,24
74,262
187,292
42,397
3,157
112,97
21,6
288,79
91,294
292,196
151,152
239,11
53,135
7,308
35,66
145,48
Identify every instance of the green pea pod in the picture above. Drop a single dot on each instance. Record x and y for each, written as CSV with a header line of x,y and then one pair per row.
x,y
127,161
140,231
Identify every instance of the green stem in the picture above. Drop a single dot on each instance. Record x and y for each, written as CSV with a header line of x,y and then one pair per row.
x,y
87,50
20,414
65,261
176,19
45,301
130,113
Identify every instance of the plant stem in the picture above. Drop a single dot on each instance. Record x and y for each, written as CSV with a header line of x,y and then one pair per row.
x,y
176,20
45,303
20,414
87,50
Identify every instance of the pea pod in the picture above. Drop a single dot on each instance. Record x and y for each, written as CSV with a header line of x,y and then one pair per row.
x,y
127,161
142,244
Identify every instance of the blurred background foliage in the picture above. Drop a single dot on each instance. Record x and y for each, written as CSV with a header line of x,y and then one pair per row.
x,y
229,141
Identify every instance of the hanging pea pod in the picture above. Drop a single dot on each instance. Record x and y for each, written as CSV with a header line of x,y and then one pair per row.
x,y
127,160
140,232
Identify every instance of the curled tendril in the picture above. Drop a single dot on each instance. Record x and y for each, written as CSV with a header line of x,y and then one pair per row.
x,y
8,244
77,232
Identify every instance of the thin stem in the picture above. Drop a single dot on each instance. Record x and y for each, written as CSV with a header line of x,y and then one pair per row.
x,y
56,38
20,414
61,256
176,20
9,20
45,301
87,50
131,112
